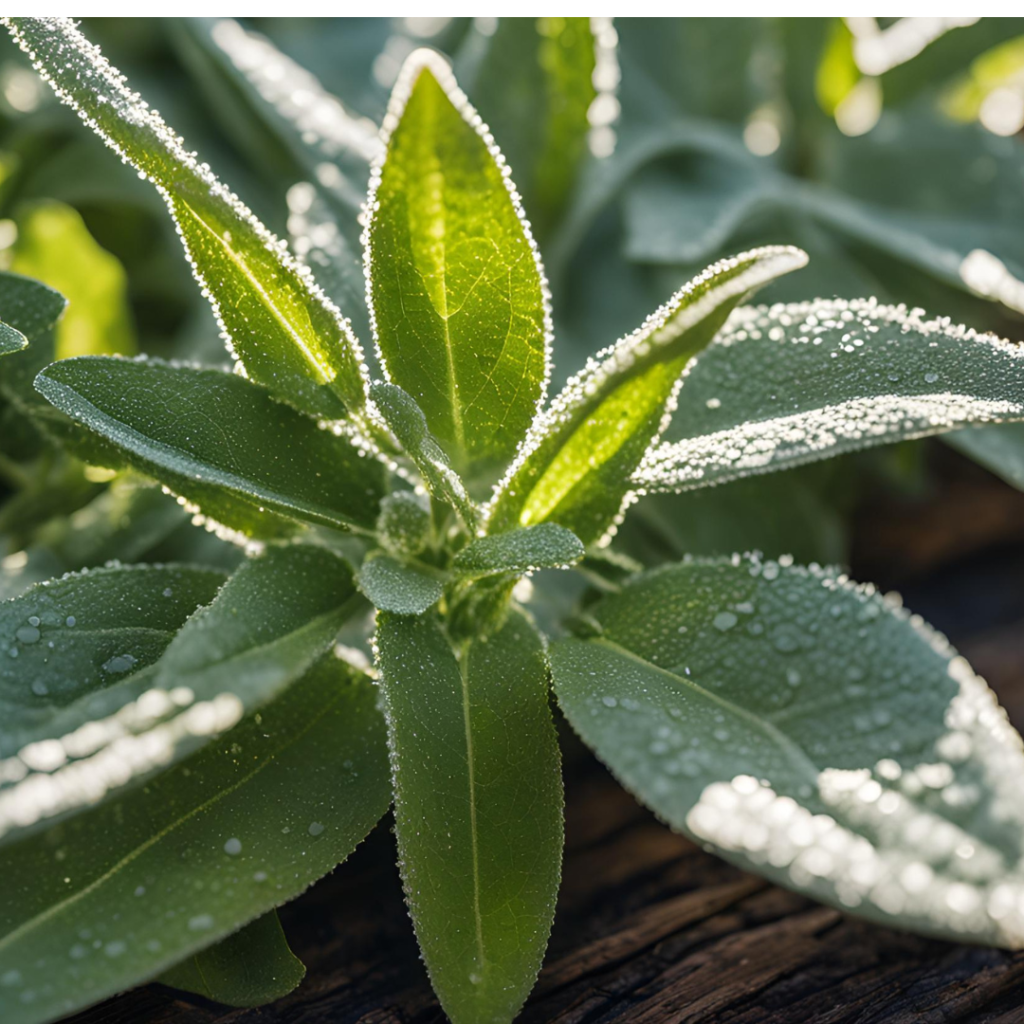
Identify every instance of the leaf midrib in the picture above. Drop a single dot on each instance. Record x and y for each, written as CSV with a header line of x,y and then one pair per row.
x,y
57,908
796,752
471,778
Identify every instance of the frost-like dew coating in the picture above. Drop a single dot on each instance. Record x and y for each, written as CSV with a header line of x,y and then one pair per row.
x,y
813,730
273,316
787,384
482,375
572,463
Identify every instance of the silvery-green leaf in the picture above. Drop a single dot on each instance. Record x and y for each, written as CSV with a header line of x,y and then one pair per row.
x,y
478,807
575,466
11,340
456,286
288,335
67,641
814,732
220,441
394,586
29,306
116,896
253,967
130,715
544,546
788,384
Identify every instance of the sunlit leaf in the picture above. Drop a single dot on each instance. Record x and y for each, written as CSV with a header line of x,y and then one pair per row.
x,y
253,967
813,732
286,333
575,466
534,89
459,299
118,895
788,384
54,246
219,441
478,807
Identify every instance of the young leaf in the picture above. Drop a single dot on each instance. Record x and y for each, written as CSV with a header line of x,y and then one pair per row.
x,y
787,384
456,288
253,967
544,546
11,340
393,586
120,894
406,421
575,466
219,441
66,641
478,807
287,334
811,731
55,246
535,88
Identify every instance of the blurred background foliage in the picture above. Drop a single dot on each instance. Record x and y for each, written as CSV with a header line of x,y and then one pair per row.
x,y
889,149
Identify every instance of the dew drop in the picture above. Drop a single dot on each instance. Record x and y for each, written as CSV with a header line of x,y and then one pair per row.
x,y
233,847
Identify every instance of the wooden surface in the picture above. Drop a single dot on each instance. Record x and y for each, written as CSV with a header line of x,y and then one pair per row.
x,y
650,929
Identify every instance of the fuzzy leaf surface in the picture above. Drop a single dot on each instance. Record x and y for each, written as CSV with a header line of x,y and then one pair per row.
x,y
788,384
286,333
457,290
544,546
219,441
67,640
394,586
253,967
255,818
813,732
577,461
478,807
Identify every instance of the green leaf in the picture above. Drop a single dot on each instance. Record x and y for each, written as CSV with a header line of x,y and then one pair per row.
x,y
478,807
999,448
405,419
544,546
220,441
66,641
253,967
404,525
287,334
788,384
457,290
814,732
289,126
273,618
394,586
535,88
55,246
11,340
114,897
575,466
29,306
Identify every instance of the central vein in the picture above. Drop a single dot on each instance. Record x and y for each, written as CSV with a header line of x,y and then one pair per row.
x,y
474,845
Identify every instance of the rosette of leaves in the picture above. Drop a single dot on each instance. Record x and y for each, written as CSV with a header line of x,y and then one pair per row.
x,y
183,751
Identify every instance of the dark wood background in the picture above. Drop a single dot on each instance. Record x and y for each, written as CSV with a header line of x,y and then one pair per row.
x,y
650,929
